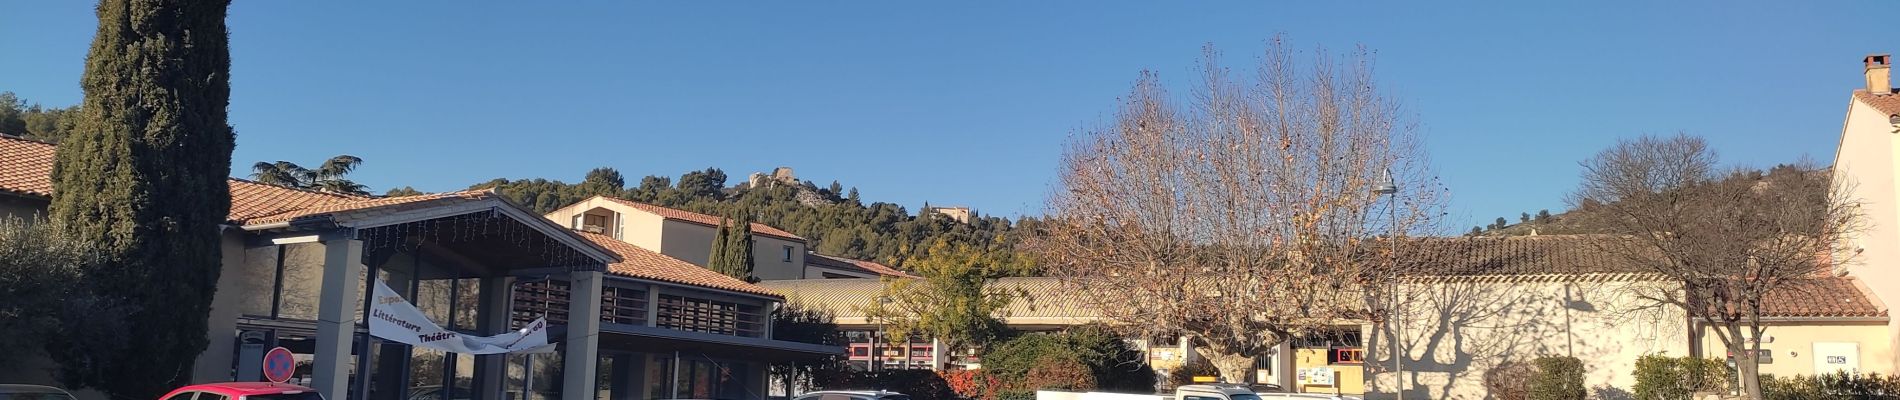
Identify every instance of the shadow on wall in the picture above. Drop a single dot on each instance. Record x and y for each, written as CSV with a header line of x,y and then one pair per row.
x,y
1456,331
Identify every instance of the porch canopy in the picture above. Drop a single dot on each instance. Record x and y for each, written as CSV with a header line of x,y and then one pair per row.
x,y
470,234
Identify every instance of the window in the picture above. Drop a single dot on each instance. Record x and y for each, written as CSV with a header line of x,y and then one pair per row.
x,y
788,253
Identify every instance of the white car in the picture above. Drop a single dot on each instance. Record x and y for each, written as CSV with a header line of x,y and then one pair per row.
x,y
33,392
853,395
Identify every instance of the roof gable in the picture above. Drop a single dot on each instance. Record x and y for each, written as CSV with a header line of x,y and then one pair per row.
x,y
697,218
1887,103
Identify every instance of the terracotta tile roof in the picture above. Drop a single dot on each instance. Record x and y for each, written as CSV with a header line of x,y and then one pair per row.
x,y
1516,256
646,264
365,204
253,200
1835,297
1888,103
28,167
846,263
702,219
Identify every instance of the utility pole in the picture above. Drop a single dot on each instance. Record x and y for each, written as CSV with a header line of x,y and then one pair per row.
x,y
1388,188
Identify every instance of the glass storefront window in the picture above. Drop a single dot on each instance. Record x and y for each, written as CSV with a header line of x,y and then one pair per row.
x,y
468,300
302,281
259,277
534,376
659,372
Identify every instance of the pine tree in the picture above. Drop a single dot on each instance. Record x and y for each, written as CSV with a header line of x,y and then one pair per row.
x,y
1502,223
1543,216
143,180
1475,231
1523,217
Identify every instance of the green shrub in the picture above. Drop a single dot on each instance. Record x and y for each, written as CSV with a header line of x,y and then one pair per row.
x,y
1107,358
1558,378
1830,387
1670,378
1510,380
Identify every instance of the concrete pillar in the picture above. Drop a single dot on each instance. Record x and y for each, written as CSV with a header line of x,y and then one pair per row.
x,y
336,309
583,335
1283,366
491,369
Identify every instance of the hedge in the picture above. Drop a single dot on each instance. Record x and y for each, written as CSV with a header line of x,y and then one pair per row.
x,y
1558,378
1670,378
1836,386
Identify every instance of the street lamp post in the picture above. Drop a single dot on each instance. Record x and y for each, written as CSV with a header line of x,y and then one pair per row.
x,y
1389,188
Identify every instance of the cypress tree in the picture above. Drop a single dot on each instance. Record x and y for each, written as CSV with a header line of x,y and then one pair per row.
x,y
142,180
741,247
732,247
719,261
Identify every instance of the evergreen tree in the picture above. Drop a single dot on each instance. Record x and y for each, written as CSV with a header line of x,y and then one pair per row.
x,y
402,191
143,181
853,197
705,183
1501,223
1543,216
732,247
1523,217
1475,231
602,181
331,176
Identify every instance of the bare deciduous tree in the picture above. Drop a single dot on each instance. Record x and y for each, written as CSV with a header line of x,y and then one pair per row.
x,y
1245,216
1731,237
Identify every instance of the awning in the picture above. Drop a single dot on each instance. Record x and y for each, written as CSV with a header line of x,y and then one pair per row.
x,y
647,339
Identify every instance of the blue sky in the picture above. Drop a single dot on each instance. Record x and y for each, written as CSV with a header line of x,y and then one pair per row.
x,y
969,102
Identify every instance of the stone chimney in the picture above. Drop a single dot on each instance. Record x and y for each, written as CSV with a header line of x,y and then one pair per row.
x,y
1878,76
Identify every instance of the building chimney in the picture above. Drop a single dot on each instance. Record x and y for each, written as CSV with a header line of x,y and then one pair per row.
x,y
1878,82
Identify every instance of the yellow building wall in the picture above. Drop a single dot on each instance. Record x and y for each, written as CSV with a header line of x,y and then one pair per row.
x,y
1347,378
1793,346
1865,163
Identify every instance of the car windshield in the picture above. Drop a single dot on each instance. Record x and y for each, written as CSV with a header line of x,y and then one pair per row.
x,y
1243,397
35,396
286,396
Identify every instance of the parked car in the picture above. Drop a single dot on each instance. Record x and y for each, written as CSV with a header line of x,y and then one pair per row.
x,y
852,395
243,391
1222,391
33,392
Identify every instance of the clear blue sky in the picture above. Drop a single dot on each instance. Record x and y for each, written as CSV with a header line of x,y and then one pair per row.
x,y
969,102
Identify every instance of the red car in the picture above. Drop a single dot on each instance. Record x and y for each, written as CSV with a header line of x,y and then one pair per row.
x,y
243,391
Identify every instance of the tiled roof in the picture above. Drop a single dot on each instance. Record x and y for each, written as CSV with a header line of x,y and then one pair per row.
x,y
251,200
1835,297
702,219
846,298
1888,103
385,204
27,167
822,260
646,264
1516,256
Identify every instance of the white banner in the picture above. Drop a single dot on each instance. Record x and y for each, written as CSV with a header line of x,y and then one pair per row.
x,y
393,318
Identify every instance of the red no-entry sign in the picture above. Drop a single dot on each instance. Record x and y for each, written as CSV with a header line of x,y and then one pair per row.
x,y
278,365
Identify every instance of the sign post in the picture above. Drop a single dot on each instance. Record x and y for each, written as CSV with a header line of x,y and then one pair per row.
x,y
278,365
